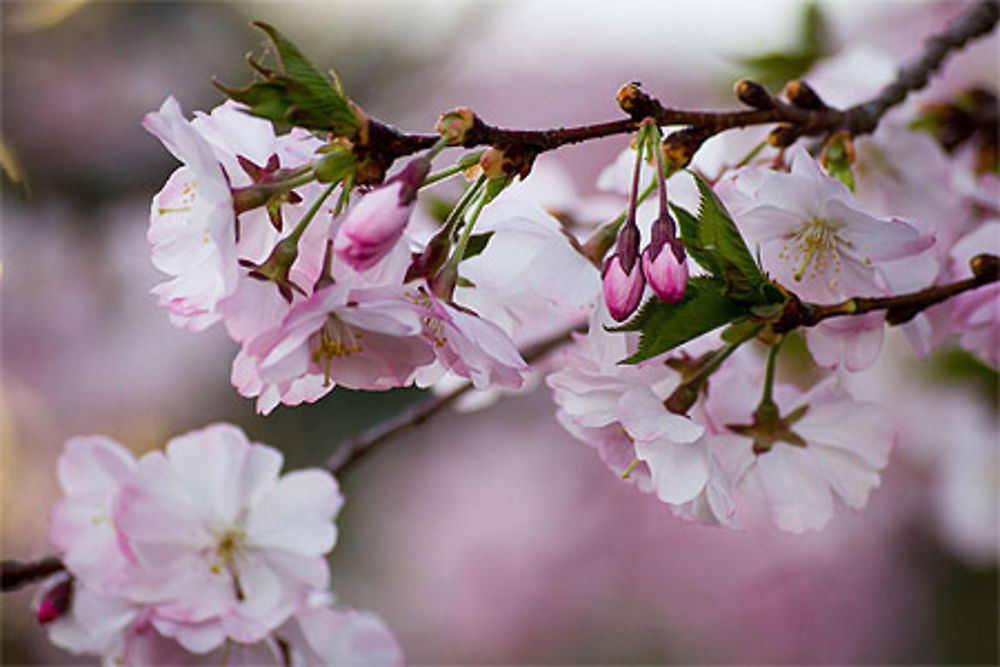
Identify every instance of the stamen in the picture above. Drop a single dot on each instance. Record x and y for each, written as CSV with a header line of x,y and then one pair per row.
x,y
335,339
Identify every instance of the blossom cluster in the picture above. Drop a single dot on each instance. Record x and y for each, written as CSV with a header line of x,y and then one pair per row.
x,y
200,550
326,271
312,305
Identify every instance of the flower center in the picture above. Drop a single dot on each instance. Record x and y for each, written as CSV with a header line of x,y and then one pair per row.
x,y
433,328
189,193
335,339
230,546
816,247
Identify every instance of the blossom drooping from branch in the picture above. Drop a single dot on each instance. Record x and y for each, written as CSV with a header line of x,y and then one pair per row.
x,y
187,549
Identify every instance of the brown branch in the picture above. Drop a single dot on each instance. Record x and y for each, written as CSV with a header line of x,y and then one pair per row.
x,y
899,309
354,449
16,574
804,117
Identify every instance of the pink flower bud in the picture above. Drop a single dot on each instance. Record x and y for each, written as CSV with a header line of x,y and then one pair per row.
x,y
55,601
666,270
622,291
373,226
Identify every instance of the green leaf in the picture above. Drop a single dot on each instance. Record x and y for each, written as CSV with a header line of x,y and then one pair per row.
x,y
776,68
719,237
297,92
477,244
688,226
663,327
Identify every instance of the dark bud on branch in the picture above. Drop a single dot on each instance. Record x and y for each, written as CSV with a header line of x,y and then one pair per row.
x,y
679,147
635,102
753,95
803,96
986,267
783,136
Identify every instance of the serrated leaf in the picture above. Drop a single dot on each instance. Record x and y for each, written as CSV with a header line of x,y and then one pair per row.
x,y
719,237
663,327
688,226
477,244
297,93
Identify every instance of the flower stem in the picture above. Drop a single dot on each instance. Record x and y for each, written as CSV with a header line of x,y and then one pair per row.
x,y
310,214
463,163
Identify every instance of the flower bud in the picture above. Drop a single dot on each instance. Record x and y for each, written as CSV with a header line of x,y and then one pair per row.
x,y
666,270
456,125
636,103
55,601
679,147
622,289
783,136
803,96
373,226
753,95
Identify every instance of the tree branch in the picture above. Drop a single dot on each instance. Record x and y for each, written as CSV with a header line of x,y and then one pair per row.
x,y
899,309
16,574
354,449
859,119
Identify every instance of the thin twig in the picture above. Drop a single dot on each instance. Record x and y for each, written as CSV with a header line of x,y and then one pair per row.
x,y
899,309
17,574
859,119
354,449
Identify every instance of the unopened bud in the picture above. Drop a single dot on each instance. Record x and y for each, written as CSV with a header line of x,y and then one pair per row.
x,y
622,289
986,267
753,94
783,136
502,164
492,162
679,147
636,103
55,601
456,125
803,96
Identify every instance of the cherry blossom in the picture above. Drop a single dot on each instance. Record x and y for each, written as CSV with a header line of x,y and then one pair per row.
x,y
191,224
361,338
824,442
975,315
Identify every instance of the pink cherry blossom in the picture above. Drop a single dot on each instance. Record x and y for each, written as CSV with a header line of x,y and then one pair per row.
x,y
223,546
361,338
192,224
91,471
195,234
468,345
975,315
842,447
812,236
667,443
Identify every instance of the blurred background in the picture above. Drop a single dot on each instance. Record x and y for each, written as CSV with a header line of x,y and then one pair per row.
x,y
490,537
